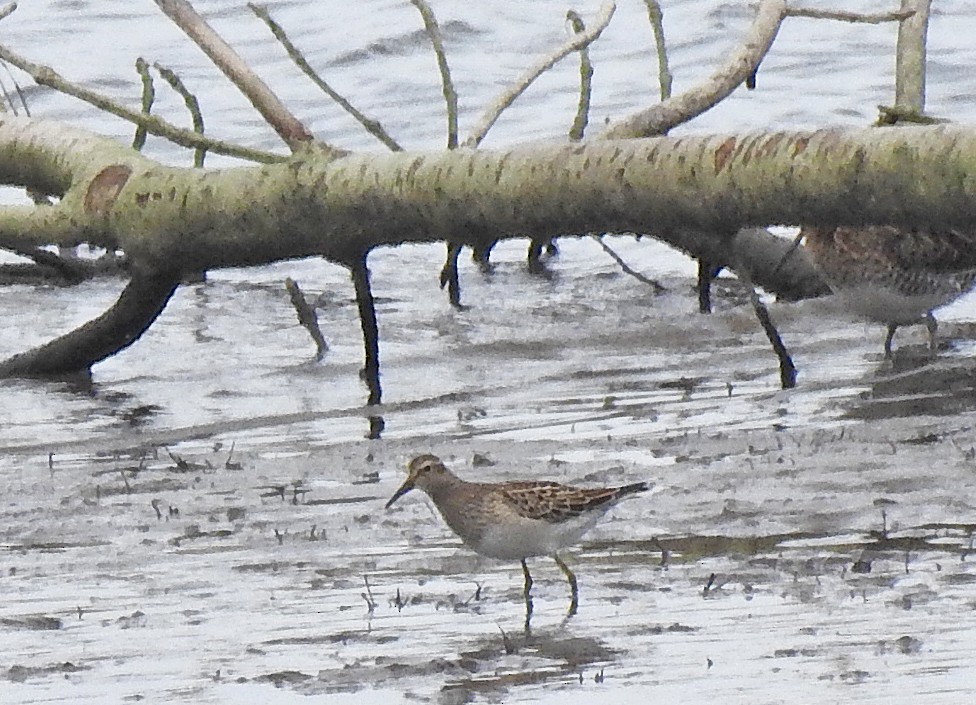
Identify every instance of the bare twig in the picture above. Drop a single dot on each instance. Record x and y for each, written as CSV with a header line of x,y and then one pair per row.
x,y
288,127
192,104
787,370
7,100
372,126
148,97
656,16
844,16
658,289
307,317
738,67
533,72
46,76
450,95
20,94
586,81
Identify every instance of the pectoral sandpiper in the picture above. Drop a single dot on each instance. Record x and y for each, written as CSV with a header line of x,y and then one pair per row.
x,y
514,520
894,275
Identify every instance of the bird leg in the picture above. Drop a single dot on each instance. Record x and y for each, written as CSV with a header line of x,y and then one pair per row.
x,y
892,327
932,326
528,597
528,580
574,588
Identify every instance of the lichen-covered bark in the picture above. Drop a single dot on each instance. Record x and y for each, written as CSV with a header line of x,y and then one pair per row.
x,y
342,208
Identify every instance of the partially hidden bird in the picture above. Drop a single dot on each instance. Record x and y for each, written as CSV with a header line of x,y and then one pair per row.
x,y
894,275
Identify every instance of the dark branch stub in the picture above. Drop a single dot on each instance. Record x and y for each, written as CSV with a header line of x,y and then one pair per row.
x,y
359,270
307,317
449,275
706,275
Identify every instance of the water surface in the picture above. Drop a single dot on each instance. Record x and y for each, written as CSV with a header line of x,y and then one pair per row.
x,y
254,586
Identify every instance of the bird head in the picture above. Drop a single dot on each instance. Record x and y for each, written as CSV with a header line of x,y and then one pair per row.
x,y
420,472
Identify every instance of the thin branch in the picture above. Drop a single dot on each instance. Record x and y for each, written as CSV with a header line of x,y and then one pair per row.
x,y
372,126
46,76
533,72
192,104
450,95
586,81
288,127
739,66
844,16
20,93
656,17
787,370
148,97
658,289
7,100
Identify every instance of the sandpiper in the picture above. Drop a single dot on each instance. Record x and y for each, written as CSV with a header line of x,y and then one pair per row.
x,y
514,520
894,275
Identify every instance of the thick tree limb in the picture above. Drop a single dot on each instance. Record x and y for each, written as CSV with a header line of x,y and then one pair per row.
x,y
342,208
140,303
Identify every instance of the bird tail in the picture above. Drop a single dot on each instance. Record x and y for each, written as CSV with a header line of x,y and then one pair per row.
x,y
632,489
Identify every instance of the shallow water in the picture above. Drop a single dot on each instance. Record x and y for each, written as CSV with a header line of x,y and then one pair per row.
x,y
585,376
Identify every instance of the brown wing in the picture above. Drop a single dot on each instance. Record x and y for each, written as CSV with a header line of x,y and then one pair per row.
x,y
909,249
554,503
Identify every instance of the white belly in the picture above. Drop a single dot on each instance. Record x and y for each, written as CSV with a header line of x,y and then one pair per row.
x,y
524,538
